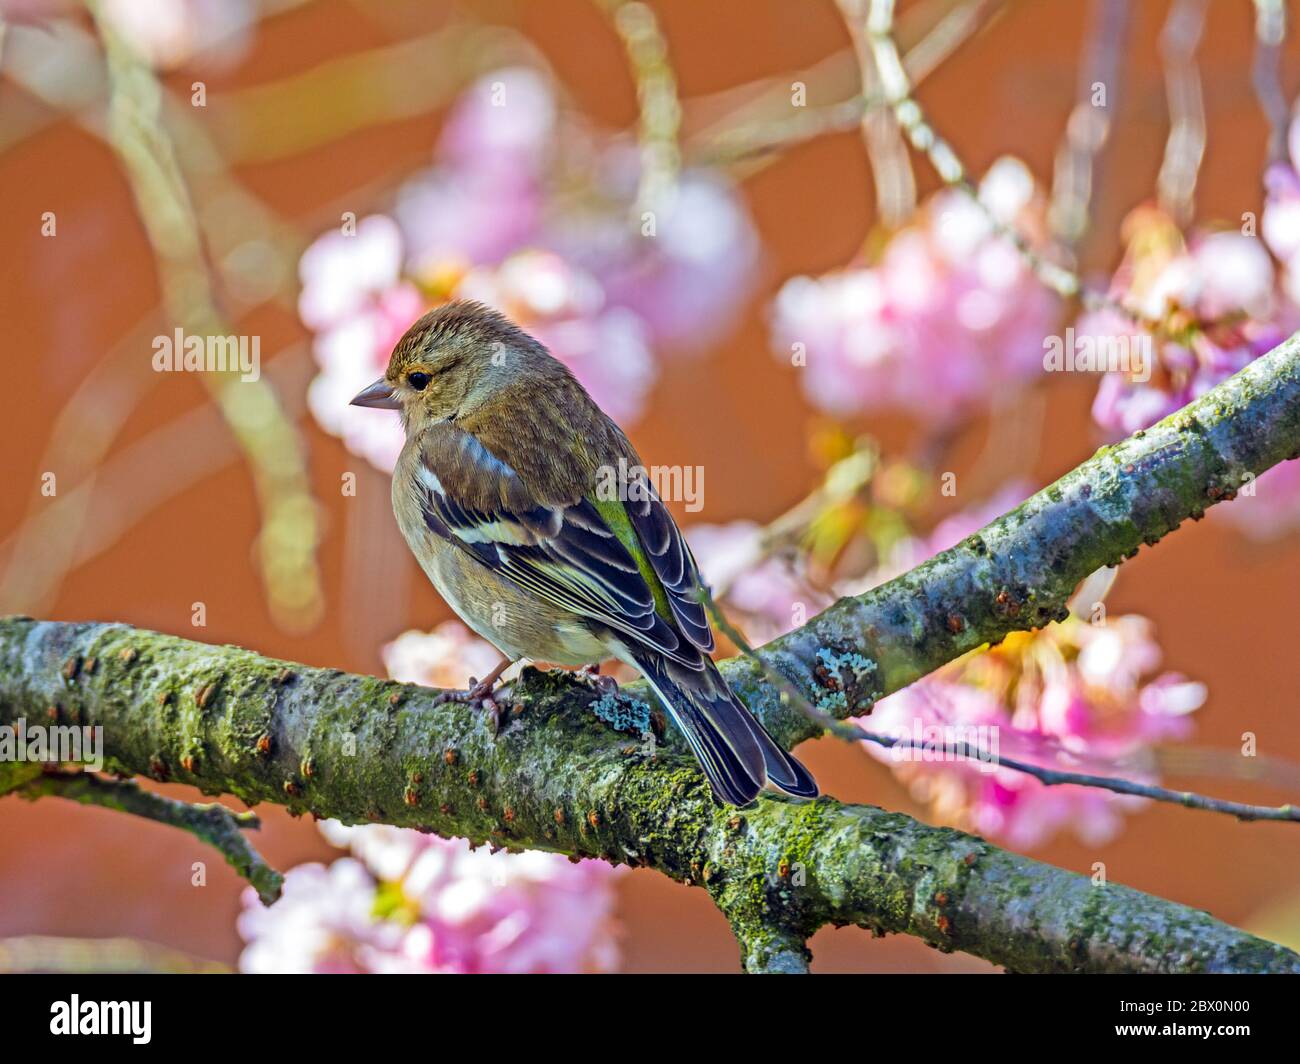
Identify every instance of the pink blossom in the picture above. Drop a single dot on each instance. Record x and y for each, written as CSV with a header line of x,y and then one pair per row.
x,y
686,277
354,297
1281,223
353,355
1074,696
950,317
496,219
323,923
504,912
409,902
1218,298
504,124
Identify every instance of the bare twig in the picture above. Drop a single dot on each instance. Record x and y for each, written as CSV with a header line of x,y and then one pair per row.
x,y
1088,126
965,751
886,150
1185,148
1266,74
763,127
287,541
656,93
213,823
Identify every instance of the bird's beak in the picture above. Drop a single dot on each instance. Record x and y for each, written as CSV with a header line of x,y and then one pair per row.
x,y
378,395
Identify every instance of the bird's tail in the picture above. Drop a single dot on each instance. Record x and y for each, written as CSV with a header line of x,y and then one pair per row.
x,y
734,749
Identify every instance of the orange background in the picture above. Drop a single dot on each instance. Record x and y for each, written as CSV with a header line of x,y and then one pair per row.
x,y
1225,611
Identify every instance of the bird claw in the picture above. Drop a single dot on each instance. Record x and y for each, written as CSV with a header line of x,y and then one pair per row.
x,y
604,685
480,694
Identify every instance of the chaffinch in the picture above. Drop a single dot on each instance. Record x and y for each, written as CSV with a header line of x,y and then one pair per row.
x,y
503,492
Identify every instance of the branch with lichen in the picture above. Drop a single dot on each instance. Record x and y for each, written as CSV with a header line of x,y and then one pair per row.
x,y
362,749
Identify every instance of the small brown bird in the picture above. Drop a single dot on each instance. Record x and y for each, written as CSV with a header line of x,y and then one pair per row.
x,y
503,494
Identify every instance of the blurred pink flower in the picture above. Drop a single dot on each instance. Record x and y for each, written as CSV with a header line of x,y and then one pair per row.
x,y
1280,224
1218,296
445,657
1072,695
352,295
323,923
1075,695
409,902
686,281
950,317
495,219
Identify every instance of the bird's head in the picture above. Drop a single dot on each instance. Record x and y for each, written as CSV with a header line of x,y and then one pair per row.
x,y
456,356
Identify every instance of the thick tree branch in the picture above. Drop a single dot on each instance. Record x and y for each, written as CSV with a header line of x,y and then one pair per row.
x,y
363,749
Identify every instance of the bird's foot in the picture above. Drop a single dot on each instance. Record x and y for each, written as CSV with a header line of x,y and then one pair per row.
x,y
481,694
604,685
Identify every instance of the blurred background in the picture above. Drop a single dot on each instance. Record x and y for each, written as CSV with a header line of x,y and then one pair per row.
x,y
685,202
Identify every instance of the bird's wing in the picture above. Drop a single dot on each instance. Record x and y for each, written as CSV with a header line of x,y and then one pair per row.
x,y
562,550
669,556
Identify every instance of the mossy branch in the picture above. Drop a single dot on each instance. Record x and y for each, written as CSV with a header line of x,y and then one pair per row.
x,y
368,750
362,749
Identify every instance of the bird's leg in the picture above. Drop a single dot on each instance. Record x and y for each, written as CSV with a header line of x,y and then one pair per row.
x,y
604,685
479,693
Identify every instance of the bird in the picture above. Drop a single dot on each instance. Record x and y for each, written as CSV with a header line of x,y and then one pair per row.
x,y
504,493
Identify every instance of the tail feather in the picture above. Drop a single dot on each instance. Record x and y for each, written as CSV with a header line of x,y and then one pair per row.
x,y
735,751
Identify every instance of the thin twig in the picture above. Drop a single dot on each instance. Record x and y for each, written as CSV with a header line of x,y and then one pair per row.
x,y
1266,74
1185,148
1088,127
891,169
1048,776
286,546
743,141
656,93
212,822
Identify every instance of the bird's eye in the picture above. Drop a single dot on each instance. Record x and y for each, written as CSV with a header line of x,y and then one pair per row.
x,y
418,380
